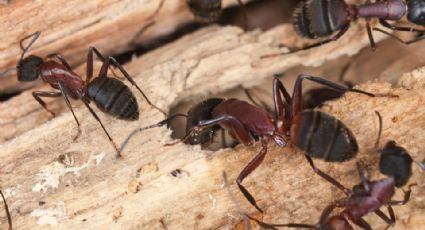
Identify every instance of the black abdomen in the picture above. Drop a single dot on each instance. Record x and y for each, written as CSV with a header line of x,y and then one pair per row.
x,y
114,97
323,136
319,18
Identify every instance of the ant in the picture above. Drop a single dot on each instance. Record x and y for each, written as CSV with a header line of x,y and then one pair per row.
x,y
198,112
110,95
394,161
322,18
6,208
364,198
210,10
317,134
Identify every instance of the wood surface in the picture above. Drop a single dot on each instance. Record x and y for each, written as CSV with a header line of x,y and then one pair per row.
x,y
52,182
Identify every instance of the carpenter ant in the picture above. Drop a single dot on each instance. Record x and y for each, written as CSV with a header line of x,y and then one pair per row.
x,y
322,18
109,94
317,134
394,161
6,208
364,198
200,111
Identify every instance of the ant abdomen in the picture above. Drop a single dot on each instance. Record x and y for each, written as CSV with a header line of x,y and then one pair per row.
x,y
28,68
323,136
416,11
205,10
318,18
113,97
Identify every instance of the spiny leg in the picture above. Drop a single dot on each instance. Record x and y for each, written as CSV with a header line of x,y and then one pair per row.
x,y
279,105
65,97
296,104
384,23
327,177
389,220
249,168
406,196
38,94
370,35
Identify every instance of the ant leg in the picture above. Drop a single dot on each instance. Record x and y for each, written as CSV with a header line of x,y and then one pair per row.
x,y
297,93
408,42
6,207
370,35
384,23
159,124
38,94
334,38
100,122
130,79
389,220
406,197
328,178
361,223
249,168
89,66
24,50
279,106
61,59
362,177
61,87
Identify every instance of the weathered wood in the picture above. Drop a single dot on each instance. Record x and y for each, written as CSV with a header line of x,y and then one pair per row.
x,y
49,179
187,67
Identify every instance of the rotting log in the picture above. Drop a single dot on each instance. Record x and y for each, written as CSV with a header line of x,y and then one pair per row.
x,y
51,180
183,68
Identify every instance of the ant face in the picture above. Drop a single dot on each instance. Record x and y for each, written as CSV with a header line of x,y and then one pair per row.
x,y
416,11
28,68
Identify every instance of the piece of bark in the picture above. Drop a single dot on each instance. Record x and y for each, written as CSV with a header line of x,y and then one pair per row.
x,y
70,27
188,66
49,179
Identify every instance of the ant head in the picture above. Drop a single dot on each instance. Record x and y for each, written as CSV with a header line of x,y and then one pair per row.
x,y
416,11
202,111
319,18
337,222
205,10
396,162
28,68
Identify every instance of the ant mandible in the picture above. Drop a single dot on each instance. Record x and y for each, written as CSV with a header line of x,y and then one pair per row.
x,y
109,94
317,134
321,18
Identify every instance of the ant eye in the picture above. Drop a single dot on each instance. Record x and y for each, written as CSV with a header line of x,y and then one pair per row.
x,y
28,68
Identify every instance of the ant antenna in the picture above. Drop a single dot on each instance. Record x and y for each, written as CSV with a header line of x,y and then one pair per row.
x,y
159,124
379,131
9,219
35,37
